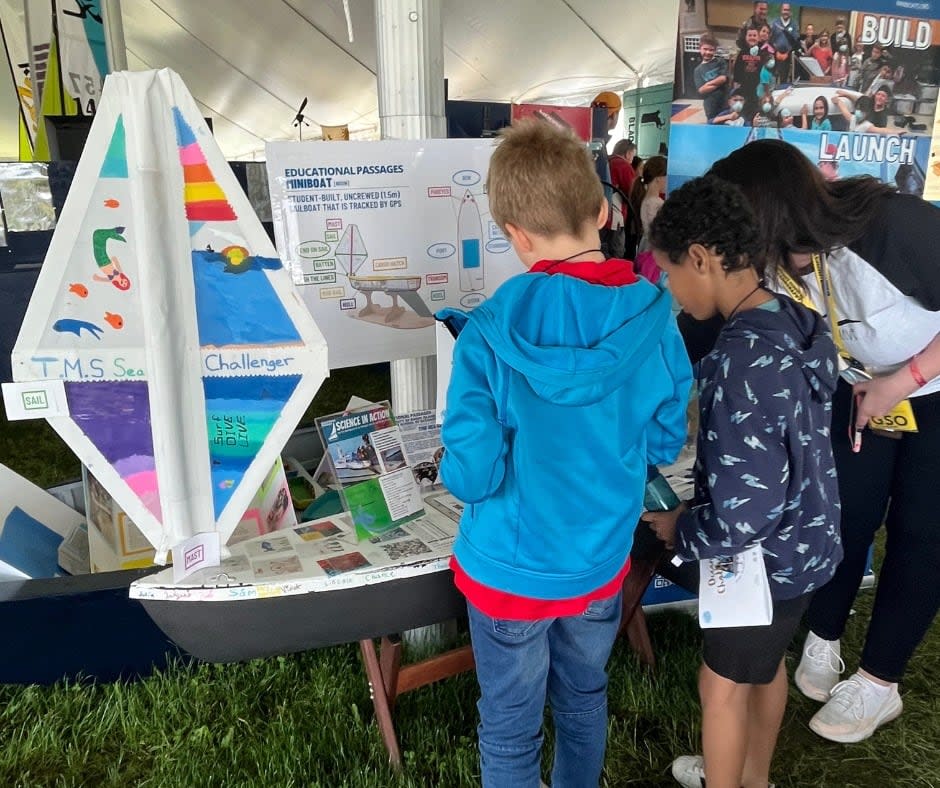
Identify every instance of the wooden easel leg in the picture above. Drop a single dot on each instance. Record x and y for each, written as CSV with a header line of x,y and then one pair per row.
x,y
390,665
380,701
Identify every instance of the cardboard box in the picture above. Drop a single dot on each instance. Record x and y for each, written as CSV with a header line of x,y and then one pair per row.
x,y
114,542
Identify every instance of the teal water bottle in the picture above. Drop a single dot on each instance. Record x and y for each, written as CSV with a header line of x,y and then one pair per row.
x,y
659,496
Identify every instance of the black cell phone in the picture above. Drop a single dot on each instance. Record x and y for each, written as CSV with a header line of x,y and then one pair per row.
x,y
451,325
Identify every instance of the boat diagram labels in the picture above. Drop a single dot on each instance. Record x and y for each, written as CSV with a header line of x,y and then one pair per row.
x,y
378,236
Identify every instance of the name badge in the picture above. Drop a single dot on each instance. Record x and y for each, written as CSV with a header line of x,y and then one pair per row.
x,y
899,419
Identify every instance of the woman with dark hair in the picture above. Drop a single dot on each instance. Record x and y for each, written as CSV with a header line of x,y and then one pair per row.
x,y
820,120
867,258
646,197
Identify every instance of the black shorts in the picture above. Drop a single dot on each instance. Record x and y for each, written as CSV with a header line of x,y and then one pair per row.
x,y
751,655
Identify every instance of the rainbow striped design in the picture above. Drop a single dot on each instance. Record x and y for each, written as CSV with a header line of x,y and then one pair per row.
x,y
204,199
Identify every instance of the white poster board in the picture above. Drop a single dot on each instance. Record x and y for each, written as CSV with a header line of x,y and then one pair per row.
x,y
380,235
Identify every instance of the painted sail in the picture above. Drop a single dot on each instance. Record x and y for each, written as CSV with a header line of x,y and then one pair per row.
x,y
186,355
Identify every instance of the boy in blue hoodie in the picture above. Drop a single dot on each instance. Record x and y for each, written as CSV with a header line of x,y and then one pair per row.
x,y
764,471
566,384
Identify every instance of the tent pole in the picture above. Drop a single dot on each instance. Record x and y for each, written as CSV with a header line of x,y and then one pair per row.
x,y
410,56
114,35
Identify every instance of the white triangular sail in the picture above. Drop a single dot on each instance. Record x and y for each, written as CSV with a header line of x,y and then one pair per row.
x,y
186,354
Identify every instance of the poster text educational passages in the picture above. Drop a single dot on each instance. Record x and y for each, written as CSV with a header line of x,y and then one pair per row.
x,y
380,235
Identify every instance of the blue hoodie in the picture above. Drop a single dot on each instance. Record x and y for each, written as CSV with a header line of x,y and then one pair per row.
x,y
562,393
764,470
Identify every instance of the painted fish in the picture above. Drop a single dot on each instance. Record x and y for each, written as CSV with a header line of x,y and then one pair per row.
x,y
68,326
113,320
112,203
79,289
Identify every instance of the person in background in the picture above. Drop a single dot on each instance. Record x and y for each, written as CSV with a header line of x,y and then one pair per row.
x,y
839,70
881,103
613,235
733,114
784,34
711,76
822,52
541,370
871,67
860,118
766,80
764,472
855,66
879,255
820,120
638,162
841,40
648,195
757,18
747,69
808,38
621,178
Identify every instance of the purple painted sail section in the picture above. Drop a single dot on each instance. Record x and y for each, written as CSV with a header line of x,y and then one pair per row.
x,y
115,416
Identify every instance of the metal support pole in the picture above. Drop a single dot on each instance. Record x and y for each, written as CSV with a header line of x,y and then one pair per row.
x,y
114,35
410,54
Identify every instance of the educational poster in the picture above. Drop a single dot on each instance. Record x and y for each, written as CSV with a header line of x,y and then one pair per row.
x,y
186,356
366,450
378,236
853,85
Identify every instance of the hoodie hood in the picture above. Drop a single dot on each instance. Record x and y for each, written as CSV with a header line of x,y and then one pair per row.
x,y
573,341
795,331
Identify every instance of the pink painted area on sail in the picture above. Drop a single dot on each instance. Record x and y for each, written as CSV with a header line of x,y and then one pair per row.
x,y
144,484
192,154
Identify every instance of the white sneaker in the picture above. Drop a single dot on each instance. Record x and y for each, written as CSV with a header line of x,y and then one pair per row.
x,y
855,710
689,770
819,668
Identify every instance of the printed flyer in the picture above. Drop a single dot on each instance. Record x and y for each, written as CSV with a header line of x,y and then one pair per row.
x,y
380,235
367,455
853,85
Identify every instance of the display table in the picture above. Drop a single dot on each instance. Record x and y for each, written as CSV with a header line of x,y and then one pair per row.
x,y
316,585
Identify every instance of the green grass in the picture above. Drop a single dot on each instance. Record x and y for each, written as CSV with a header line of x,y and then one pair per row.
x,y
306,719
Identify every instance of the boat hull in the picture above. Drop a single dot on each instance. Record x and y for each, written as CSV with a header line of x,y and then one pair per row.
x,y
250,628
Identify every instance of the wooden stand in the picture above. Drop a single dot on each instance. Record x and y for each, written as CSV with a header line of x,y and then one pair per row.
x,y
388,680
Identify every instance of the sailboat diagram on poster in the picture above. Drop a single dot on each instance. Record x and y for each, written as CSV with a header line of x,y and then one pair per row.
x,y
350,254
186,357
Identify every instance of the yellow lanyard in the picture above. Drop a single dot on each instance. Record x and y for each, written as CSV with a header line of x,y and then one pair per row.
x,y
901,418
799,294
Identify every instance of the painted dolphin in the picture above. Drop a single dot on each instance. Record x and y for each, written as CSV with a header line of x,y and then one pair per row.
x,y
75,327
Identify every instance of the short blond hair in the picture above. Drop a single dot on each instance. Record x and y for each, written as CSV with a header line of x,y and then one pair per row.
x,y
542,180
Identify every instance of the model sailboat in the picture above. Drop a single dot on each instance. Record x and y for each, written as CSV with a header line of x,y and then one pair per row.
x,y
186,356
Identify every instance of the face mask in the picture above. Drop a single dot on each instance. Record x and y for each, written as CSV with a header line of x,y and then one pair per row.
x,y
737,106
767,108
755,50
769,65
859,115
844,48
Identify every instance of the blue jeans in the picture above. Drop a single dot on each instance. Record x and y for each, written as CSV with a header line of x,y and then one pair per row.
x,y
519,664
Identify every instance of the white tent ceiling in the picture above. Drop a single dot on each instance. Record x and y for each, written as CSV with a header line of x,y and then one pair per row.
x,y
249,63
